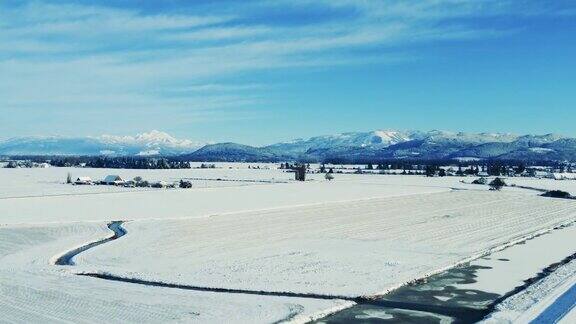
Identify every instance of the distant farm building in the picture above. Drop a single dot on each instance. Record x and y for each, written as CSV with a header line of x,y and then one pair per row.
x,y
114,180
83,181
542,174
564,176
159,184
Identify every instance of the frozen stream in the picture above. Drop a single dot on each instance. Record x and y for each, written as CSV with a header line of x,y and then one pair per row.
x,y
67,258
468,293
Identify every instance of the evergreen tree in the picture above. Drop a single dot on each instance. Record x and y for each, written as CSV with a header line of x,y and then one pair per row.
x,y
497,184
430,171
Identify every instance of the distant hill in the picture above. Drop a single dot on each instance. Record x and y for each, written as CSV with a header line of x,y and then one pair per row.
x,y
231,152
346,147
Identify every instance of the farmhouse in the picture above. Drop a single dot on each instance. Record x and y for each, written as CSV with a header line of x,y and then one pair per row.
x,y
114,180
83,181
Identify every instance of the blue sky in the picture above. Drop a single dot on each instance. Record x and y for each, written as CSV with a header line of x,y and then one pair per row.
x,y
265,71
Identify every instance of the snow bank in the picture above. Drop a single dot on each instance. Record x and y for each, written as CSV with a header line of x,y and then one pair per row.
x,y
525,306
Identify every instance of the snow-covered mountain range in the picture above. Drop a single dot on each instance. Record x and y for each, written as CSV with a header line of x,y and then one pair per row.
x,y
381,139
346,147
152,143
391,144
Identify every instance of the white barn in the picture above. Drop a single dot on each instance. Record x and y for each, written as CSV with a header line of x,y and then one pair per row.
x,y
113,180
543,174
83,181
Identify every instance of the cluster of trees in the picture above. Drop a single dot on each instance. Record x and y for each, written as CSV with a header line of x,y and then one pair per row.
x,y
434,168
495,184
498,169
119,162
136,163
472,170
293,166
558,194
19,164
392,166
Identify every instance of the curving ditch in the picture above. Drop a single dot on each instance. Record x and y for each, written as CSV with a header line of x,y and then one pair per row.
x,y
213,289
67,258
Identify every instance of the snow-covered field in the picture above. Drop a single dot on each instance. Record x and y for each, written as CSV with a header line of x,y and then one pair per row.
x,y
356,235
353,249
548,184
80,205
34,291
49,182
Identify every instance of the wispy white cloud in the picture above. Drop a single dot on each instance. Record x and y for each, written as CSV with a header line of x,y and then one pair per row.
x,y
219,33
217,87
46,18
71,56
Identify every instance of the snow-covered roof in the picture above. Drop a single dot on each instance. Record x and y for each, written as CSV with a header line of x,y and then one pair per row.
x,y
541,173
84,179
112,178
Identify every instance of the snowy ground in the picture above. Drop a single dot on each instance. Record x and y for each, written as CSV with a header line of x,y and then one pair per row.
x,y
548,184
79,205
361,248
549,248
49,182
357,235
527,305
34,291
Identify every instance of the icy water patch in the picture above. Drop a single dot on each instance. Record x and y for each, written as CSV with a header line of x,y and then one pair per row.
x,y
468,293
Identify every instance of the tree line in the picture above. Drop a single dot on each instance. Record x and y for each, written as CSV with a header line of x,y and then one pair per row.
x,y
113,162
